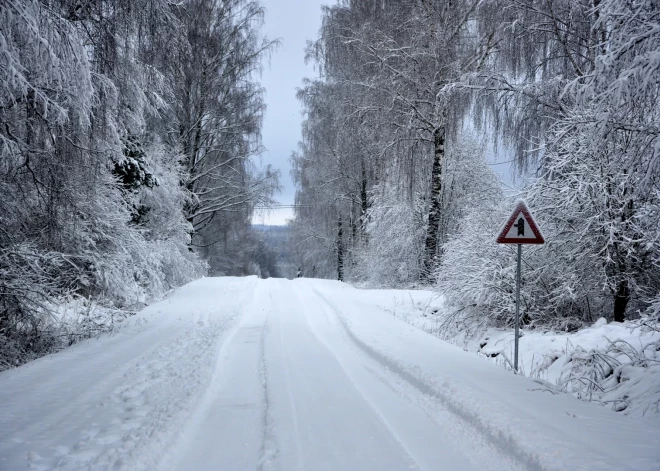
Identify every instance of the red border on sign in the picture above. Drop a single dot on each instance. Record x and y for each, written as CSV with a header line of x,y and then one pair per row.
x,y
521,207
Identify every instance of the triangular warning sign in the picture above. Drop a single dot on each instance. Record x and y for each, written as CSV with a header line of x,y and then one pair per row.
x,y
520,228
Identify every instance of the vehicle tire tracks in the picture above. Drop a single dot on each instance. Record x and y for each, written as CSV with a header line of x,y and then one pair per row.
x,y
443,394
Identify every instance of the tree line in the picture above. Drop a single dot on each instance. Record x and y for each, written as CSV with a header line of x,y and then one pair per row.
x,y
393,184
127,132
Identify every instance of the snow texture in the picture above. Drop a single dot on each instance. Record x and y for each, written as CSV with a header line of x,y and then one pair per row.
x,y
616,365
241,373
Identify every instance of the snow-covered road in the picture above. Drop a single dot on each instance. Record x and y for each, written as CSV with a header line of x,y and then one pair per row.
x,y
247,374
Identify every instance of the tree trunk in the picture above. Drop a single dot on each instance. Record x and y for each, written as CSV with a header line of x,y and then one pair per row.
x,y
621,298
364,198
622,289
340,251
433,228
364,205
199,122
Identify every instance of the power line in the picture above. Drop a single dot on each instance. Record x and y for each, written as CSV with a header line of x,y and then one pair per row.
x,y
293,206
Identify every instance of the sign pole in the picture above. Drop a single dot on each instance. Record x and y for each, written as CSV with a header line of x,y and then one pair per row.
x,y
519,229
517,336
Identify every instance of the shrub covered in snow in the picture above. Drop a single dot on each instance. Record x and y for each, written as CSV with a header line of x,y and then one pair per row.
x,y
54,325
616,365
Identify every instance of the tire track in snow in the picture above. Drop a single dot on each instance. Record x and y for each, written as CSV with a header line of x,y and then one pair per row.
x,y
322,421
502,441
236,365
286,358
269,449
117,402
399,441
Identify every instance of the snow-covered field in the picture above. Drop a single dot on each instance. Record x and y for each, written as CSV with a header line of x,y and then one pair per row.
x,y
248,374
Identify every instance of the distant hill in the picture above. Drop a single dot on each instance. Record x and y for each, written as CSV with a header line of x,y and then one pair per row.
x,y
276,243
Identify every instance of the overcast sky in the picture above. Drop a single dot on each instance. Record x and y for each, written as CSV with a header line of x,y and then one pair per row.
x,y
293,22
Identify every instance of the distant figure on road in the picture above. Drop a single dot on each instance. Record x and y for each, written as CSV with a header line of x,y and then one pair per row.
x,y
299,274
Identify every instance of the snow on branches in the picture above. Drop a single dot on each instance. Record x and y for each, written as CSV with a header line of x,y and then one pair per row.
x,y
116,154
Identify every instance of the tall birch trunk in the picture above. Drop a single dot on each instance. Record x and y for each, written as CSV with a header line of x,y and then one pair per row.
x,y
340,251
435,208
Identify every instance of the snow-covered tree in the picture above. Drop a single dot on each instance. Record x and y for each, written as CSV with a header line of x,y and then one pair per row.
x,y
589,71
219,108
599,187
388,74
98,198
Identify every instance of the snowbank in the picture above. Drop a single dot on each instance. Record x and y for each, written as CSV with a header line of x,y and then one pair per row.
x,y
616,365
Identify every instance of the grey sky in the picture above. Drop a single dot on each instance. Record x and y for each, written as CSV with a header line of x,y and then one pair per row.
x,y
294,22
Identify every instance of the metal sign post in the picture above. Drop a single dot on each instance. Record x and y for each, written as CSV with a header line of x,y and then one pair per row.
x,y
517,335
514,232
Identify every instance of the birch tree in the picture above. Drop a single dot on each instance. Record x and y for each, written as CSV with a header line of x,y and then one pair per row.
x,y
395,64
219,110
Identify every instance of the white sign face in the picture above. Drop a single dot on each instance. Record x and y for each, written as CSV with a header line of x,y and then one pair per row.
x,y
520,228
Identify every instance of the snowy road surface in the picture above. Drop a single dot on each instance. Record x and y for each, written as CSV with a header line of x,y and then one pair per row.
x,y
247,374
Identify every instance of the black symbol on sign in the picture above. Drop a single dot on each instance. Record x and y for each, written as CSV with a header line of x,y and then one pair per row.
x,y
520,226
